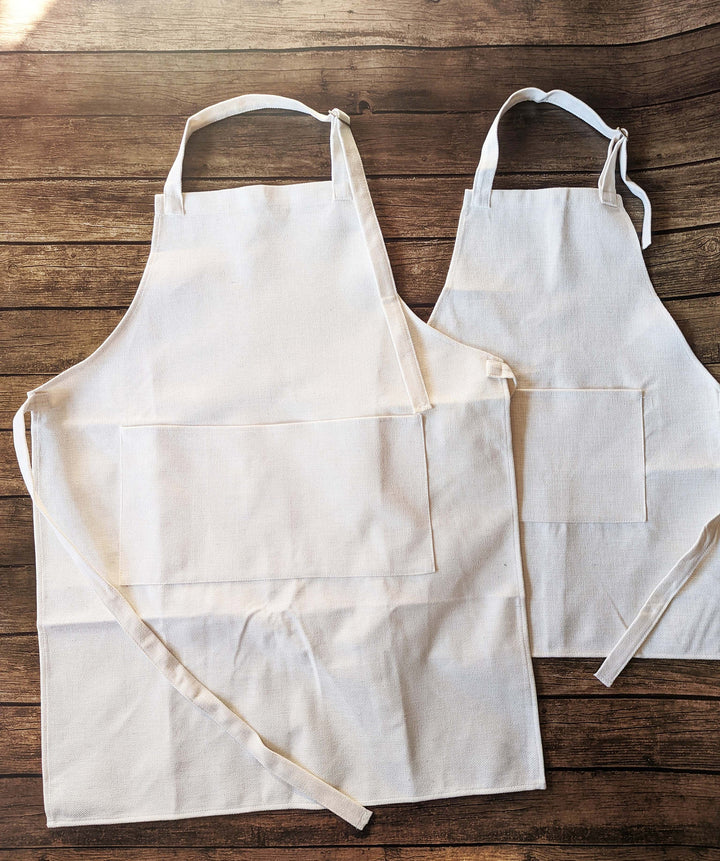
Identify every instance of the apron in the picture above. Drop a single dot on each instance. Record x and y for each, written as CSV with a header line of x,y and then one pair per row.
x,y
616,423
276,527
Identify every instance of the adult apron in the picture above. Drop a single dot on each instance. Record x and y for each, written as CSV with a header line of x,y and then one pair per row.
x,y
616,423
298,500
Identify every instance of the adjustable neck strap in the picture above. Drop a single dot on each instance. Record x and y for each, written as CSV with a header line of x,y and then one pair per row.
x,y
172,191
485,172
179,676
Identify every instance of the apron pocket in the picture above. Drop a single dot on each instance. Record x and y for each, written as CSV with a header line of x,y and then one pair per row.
x,y
331,498
579,455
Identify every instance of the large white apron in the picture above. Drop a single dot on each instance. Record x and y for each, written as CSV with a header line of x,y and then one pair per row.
x,y
616,423
298,500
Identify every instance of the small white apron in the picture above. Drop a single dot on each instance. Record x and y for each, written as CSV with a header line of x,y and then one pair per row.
x,y
298,500
616,423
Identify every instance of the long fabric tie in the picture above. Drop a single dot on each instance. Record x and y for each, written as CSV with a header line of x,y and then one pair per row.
x,y
657,602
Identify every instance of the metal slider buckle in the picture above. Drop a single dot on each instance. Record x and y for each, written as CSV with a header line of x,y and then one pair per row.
x,y
341,115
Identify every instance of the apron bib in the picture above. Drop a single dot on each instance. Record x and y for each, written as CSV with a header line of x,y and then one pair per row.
x,y
616,423
276,527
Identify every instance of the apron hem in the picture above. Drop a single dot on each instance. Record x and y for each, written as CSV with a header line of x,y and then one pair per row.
x,y
299,805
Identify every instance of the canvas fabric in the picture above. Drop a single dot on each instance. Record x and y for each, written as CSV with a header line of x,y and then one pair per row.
x,y
276,527
616,423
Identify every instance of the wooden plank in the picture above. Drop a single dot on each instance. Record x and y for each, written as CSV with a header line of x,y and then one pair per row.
x,y
67,344
685,262
681,734
533,137
699,320
85,25
494,852
16,531
316,853
20,740
49,340
11,480
631,733
610,78
583,807
554,677
106,210
89,275
17,599
20,663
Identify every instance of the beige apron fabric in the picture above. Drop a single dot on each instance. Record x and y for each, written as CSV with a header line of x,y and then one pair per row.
x,y
298,500
616,424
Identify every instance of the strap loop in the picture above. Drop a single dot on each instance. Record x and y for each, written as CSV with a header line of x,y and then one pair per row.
x,y
498,368
485,172
606,180
336,112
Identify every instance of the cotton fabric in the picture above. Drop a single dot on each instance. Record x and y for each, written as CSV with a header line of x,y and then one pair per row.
x,y
616,423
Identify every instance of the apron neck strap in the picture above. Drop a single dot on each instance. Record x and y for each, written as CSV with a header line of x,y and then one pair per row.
x,y
485,172
172,191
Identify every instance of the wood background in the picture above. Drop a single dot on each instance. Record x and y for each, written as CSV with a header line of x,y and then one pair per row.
x,y
93,99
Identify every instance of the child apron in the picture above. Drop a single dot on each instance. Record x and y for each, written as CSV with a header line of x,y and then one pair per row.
x,y
276,527
616,423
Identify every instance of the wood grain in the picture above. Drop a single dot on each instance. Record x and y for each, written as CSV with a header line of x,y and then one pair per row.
x,y
494,852
16,527
82,25
17,602
93,99
470,78
699,320
316,853
532,138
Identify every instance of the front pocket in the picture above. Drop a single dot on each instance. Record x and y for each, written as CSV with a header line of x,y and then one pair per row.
x,y
332,498
579,455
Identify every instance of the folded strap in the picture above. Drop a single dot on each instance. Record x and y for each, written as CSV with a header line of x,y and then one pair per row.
x,y
178,674
618,143
657,603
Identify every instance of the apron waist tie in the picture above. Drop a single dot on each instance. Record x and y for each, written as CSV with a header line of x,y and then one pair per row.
x,y
657,603
179,675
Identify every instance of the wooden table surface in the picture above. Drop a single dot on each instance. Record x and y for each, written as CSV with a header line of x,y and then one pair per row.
x,y
93,100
